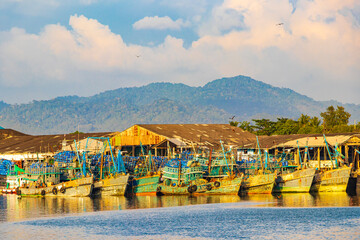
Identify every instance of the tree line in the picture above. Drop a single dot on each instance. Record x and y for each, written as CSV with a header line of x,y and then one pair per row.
x,y
333,121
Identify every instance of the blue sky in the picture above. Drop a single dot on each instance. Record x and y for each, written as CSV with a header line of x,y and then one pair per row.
x,y
51,48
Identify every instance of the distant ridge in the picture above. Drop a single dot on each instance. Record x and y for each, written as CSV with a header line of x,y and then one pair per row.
x,y
162,103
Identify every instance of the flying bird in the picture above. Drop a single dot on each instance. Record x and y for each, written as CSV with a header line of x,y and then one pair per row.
x,y
232,118
138,56
279,24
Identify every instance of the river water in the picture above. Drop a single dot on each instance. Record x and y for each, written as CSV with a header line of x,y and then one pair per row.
x,y
286,216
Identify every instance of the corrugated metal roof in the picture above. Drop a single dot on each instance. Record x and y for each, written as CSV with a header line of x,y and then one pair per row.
x,y
317,141
42,143
202,134
314,140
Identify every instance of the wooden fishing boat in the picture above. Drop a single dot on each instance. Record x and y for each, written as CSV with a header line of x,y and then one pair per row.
x,y
110,178
294,182
43,180
13,179
220,174
81,187
224,186
145,176
146,185
113,185
261,183
181,178
333,180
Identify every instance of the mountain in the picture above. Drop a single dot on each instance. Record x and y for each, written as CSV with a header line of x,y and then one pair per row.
x,y
118,109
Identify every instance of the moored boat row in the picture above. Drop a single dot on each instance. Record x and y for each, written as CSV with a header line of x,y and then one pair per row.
x,y
101,174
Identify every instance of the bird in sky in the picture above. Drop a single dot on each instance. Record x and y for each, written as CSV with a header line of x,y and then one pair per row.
x,y
279,24
232,118
138,56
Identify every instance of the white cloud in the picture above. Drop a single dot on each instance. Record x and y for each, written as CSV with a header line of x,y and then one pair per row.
x,y
309,53
159,23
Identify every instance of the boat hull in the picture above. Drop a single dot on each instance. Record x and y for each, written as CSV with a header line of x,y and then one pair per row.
x,y
172,190
335,180
295,182
113,186
75,188
221,186
145,185
258,184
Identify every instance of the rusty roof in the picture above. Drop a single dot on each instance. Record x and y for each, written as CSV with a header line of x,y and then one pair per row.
x,y
42,143
7,133
202,134
290,140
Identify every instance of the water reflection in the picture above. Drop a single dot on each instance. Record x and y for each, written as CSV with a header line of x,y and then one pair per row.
x,y
14,209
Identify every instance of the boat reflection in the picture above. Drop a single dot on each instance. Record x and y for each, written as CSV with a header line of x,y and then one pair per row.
x,y
334,199
14,209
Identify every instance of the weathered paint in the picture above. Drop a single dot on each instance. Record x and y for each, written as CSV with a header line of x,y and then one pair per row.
x,y
259,184
226,186
113,186
146,185
173,190
220,186
335,180
76,188
297,181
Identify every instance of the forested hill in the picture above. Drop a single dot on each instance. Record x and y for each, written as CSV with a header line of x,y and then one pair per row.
x,y
118,109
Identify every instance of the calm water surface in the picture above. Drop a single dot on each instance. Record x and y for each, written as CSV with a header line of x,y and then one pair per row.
x,y
296,216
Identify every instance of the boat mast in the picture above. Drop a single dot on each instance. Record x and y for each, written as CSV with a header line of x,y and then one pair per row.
x,y
259,152
101,165
328,150
210,160
224,153
300,161
307,155
82,165
179,172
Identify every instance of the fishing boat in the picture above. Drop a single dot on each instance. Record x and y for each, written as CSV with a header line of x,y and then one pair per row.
x,y
145,177
145,185
259,178
220,172
12,177
182,177
112,185
226,185
294,182
44,180
110,178
335,178
261,183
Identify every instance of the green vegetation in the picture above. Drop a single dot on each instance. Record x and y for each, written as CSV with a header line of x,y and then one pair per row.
x,y
165,103
76,132
333,121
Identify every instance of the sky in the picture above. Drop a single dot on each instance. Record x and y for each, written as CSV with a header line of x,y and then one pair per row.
x,y
51,48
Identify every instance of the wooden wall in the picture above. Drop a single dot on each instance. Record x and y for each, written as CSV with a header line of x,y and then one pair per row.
x,y
134,135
